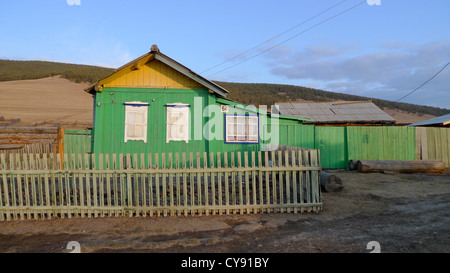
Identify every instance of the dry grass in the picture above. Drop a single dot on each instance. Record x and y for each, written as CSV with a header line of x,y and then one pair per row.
x,y
403,117
50,100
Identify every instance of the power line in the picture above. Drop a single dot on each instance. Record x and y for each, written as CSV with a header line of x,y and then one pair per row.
x,y
424,82
316,25
273,38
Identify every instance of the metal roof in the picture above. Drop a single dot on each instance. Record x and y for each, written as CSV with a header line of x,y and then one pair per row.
x,y
259,111
336,112
442,120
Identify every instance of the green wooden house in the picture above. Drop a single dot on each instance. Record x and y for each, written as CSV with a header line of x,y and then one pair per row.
x,y
154,104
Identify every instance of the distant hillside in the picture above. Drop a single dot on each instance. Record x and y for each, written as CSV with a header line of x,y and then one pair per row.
x,y
27,70
268,94
248,93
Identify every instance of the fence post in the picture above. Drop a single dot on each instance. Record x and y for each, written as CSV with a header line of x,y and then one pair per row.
x,y
60,142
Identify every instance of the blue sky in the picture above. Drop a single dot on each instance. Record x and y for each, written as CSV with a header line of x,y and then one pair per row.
x,y
382,51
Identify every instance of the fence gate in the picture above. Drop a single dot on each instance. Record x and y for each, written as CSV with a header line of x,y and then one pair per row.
x,y
331,141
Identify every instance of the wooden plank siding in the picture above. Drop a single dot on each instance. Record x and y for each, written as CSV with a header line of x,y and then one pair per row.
x,y
381,143
433,143
333,147
295,134
355,142
154,74
35,187
159,81
108,131
77,142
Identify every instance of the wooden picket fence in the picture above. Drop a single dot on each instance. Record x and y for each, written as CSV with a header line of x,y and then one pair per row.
x,y
40,186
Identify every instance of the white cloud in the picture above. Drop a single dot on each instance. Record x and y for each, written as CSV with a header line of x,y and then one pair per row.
x,y
394,71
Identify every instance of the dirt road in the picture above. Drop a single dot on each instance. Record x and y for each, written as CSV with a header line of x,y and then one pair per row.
x,y
403,213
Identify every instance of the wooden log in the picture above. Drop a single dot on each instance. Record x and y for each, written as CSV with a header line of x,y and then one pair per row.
x,y
353,164
330,182
28,137
11,146
401,166
29,130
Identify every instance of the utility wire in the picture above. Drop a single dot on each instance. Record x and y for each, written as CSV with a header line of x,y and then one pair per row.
x,y
316,25
424,83
273,38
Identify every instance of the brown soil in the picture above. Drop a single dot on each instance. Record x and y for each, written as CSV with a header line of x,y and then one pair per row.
x,y
403,212
403,117
48,100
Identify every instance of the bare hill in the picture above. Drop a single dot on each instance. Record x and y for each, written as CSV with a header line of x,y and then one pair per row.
x,y
47,100
404,117
268,94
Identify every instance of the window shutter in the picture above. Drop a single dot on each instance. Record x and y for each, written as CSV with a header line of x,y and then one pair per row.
x,y
177,122
136,121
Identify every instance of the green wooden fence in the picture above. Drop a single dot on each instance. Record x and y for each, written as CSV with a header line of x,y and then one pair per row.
x,y
42,187
337,145
381,143
433,143
333,147
77,142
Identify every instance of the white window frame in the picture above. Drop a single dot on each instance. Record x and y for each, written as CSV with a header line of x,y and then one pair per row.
x,y
136,107
182,123
242,129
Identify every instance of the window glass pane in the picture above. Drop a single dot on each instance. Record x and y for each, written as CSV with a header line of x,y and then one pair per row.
x,y
180,131
140,118
131,117
130,131
242,129
139,131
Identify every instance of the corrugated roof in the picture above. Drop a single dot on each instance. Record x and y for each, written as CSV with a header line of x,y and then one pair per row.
x,y
336,112
442,120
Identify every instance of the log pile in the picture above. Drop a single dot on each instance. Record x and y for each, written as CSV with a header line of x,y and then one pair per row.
x,y
16,138
398,166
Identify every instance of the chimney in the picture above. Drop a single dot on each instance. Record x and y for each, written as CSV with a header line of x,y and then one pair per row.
x,y
154,48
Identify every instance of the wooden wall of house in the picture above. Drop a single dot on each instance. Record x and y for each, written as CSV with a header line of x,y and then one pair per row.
x,y
108,131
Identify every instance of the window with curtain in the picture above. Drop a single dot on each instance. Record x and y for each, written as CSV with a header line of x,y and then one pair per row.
x,y
241,129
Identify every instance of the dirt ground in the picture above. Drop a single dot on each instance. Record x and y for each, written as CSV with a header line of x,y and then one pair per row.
x,y
406,213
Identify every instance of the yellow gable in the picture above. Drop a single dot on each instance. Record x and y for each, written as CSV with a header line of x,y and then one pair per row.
x,y
154,74
156,70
